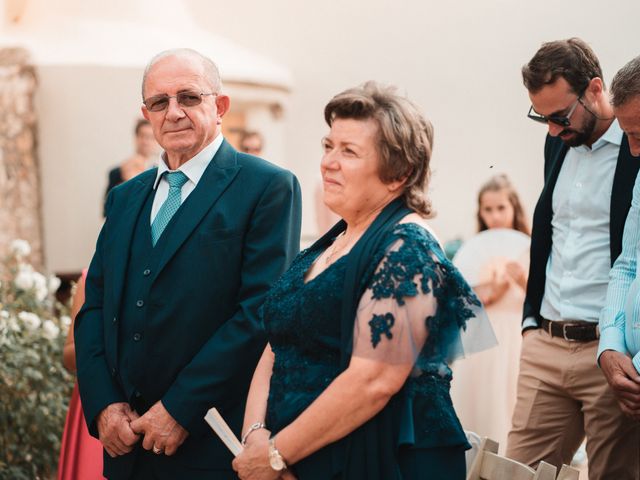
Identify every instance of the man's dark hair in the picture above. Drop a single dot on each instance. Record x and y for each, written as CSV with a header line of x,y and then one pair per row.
x,y
570,59
626,83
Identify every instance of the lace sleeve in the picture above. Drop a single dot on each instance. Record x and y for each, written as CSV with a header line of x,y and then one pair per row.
x,y
415,308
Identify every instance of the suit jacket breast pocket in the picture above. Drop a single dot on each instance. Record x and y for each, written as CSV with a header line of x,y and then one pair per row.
x,y
219,235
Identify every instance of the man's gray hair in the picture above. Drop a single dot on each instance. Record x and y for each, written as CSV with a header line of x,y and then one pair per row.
x,y
625,85
211,72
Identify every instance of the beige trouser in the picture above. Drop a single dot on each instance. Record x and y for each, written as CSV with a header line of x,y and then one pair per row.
x,y
563,395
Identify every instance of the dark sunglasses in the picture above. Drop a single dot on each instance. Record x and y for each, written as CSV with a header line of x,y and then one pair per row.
x,y
562,120
157,103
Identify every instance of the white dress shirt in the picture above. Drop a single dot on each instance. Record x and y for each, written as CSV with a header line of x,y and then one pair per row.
x,y
578,266
193,168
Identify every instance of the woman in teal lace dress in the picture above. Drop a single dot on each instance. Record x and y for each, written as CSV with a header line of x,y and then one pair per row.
x,y
354,383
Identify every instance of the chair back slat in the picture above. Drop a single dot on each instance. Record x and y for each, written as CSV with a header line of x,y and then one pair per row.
x,y
568,473
488,465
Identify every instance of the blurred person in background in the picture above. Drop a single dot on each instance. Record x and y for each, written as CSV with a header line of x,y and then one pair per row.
x,y
80,453
484,389
251,142
145,156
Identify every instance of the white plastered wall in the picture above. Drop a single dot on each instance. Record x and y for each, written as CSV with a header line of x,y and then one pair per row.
x,y
459,61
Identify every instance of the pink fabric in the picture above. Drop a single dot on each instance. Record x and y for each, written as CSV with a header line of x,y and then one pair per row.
x,y
80,453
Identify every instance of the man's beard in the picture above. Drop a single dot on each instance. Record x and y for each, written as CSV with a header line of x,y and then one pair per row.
x,y
581,136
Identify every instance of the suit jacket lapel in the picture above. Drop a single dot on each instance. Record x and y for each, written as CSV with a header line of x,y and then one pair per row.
x,y
621,193
216,178
543,222
555,152
556,165
124,228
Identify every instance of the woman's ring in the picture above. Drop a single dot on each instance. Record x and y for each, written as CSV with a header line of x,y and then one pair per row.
x,y
157,450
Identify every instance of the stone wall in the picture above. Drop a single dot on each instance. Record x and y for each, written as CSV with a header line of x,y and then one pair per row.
x,y
20,204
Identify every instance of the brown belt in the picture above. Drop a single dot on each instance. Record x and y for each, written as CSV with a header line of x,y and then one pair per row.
x,y
572,331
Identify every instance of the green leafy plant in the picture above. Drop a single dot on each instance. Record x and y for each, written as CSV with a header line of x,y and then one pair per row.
x,y
34,386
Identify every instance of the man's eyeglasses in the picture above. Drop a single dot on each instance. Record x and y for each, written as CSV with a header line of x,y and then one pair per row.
x,y
562,120
157,103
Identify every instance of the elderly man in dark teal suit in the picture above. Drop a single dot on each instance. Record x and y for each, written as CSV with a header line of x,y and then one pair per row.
x,y
170,325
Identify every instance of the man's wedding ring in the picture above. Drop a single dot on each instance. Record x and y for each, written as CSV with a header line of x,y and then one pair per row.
x,y
157,450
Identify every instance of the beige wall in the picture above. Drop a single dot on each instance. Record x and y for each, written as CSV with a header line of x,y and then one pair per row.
x,y
459,61
86,117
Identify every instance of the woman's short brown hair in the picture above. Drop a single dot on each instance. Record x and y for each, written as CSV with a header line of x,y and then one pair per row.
x,y
405,138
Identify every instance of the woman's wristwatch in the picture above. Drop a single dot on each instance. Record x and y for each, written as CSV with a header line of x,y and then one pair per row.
x,y
252,428
275,459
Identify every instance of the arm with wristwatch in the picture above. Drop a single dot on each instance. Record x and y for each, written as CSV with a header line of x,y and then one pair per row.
x,y
254,430
266,458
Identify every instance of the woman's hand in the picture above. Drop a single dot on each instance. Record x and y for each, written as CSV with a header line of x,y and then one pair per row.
x,y
259,436
253,462
491,291
515,271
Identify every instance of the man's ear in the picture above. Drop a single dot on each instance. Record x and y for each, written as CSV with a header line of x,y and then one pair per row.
x,y
223,103
145,112
596,86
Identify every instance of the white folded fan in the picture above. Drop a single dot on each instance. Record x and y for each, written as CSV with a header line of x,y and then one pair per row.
x,y
487,246
217,423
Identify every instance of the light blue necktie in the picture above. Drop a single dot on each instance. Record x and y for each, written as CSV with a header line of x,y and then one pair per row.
x,y
176,180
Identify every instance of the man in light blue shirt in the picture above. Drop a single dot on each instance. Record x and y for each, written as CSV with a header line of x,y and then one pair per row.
x,y
619,349
577,235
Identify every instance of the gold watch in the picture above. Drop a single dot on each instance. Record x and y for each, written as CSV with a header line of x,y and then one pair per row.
x,y
275,459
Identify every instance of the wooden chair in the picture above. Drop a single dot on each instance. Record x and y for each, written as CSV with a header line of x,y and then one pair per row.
x,y
568,473
488,465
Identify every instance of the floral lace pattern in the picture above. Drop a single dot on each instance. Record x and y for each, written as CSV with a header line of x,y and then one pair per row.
x,y
381,325
413,265
303,326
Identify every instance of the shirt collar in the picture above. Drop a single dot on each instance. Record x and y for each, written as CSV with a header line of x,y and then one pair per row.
x,y
194,167
613,135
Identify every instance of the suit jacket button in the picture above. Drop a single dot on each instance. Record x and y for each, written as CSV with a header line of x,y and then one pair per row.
x,y
113,372
115,319
139,303
147,272
136,337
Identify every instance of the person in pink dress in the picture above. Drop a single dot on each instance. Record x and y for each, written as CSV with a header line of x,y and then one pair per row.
x,y
80,453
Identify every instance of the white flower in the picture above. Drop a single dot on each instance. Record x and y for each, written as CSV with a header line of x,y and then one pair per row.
x,y
31,320
50,330
54,283
40,285
13,325
24,279
65,320
4,314
20,248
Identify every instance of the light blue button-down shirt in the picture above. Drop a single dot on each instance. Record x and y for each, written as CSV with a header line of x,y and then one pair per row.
x,y
620,318
580,259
